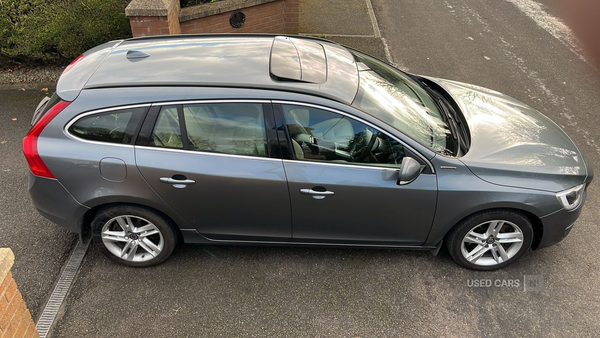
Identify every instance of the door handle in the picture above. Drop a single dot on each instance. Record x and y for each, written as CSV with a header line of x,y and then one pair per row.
x,y
318,195
182,183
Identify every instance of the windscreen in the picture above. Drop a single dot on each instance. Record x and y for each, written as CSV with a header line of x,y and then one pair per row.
x,y
396,99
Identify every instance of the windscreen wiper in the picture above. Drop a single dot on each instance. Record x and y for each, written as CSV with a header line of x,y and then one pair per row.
x,y
451,121
448,109
459,124
451,115
454,122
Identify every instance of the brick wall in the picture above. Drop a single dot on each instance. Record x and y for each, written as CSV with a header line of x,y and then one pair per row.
x,y
15,319
265,18
262,16
292,15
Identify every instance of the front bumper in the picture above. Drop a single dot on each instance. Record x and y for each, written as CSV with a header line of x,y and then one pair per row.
x,y
55,203
558,225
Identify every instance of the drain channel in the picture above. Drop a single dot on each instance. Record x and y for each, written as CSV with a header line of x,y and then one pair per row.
x,y
46,320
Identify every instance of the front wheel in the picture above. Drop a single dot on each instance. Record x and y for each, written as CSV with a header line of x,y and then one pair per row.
x,y
490,240
134,236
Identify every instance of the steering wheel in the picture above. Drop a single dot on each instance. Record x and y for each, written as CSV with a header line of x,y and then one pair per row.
x,y
364,152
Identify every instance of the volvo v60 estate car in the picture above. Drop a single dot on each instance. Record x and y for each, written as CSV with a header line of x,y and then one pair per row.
x,y
287,140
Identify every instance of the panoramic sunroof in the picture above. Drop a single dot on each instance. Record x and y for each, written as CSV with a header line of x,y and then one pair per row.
x,y
298,60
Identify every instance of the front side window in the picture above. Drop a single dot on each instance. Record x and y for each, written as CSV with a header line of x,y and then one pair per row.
x,y
396,99
228,128
117,126
324,136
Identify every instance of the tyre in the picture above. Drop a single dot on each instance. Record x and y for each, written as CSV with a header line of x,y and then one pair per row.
x,y
134,236
490,240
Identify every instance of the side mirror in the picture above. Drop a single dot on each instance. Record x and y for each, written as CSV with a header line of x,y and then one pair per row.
x,y
410,169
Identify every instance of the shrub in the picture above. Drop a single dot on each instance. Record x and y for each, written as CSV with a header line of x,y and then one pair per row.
x,y
58,30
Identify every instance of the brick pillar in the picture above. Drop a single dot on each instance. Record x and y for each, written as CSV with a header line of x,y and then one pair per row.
x,y
153,17
173,18
15,319
292,14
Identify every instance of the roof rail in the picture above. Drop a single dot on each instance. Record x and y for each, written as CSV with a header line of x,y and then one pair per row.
x,y
212,85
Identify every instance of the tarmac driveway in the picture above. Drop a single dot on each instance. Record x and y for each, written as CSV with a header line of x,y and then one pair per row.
x,y
277,292
254,291
41,248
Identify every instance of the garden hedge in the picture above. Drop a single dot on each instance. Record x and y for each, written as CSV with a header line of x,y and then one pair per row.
x,y
34,31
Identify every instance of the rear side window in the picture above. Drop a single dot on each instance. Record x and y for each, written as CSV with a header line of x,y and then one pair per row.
x,y
167,130
117,126
228,128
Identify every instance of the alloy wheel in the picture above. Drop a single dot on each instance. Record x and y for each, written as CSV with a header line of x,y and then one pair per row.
x,y
492,242
132,238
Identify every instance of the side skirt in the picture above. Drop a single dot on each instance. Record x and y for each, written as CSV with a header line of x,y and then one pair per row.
x,y
191,236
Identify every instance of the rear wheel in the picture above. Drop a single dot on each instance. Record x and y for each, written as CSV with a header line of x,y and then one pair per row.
x,y
490,240
134,236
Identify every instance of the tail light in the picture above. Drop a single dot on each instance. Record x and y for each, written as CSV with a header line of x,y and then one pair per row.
x,y
72,64
30,149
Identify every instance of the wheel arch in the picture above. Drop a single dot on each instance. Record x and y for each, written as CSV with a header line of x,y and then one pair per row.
x,y
536,222
86,221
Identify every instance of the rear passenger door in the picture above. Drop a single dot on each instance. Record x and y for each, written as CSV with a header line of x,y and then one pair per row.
x,y
210,161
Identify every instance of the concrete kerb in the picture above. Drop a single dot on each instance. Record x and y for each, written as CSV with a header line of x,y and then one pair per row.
x,y
358,40
7,259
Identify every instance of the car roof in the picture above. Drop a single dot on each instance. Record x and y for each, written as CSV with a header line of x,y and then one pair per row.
x,y
293,63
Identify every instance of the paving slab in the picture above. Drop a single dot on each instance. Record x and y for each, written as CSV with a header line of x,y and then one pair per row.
x,y
348,17
370,45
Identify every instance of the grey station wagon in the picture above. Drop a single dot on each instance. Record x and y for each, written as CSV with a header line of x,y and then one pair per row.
x,y
287,140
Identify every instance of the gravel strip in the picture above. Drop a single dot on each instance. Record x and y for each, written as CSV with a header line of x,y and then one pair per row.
x,y
31,75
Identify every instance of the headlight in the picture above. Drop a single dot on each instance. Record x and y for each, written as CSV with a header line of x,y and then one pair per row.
x,y
571,198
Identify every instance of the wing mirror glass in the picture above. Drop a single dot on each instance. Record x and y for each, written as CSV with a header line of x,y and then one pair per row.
x,y
410,169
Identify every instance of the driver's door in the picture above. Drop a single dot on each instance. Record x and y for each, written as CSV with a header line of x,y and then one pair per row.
x,y
343,182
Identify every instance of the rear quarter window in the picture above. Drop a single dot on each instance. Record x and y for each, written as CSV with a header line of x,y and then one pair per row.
x,y
117,126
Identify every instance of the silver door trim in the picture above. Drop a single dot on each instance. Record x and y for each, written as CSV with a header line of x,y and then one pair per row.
x,y
361,121
210,101
357,166
197,152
